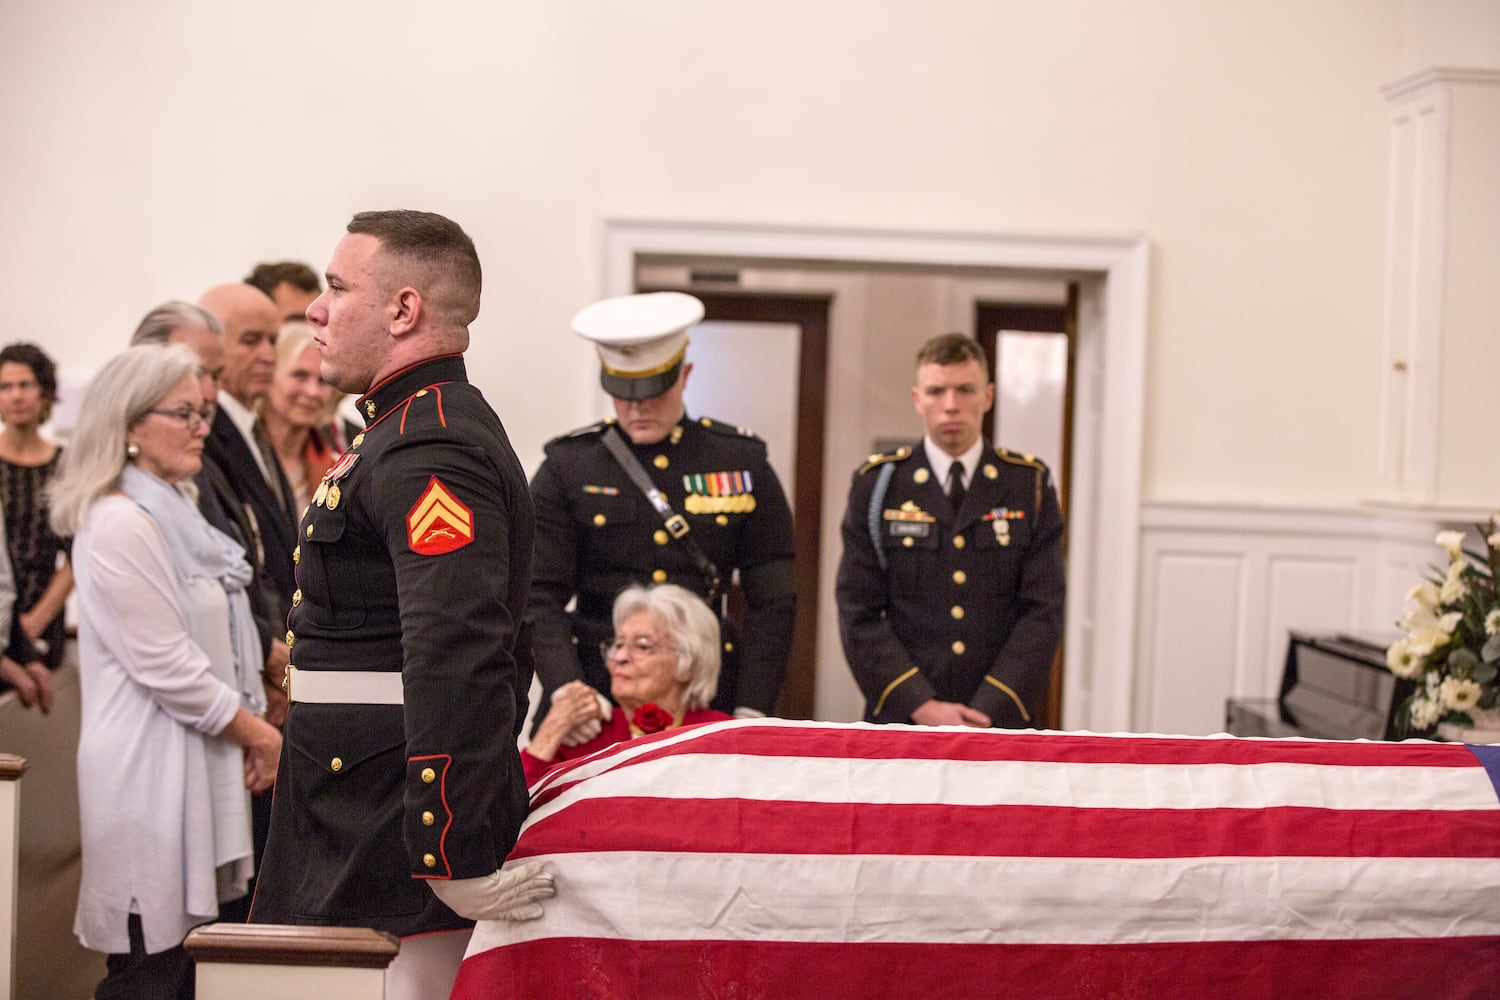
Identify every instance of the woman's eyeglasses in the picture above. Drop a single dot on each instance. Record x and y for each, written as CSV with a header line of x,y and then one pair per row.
x,y
190,416
632,648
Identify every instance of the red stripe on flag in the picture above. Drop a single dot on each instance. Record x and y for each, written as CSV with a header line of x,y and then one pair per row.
x,y
750,826
903,743
568,968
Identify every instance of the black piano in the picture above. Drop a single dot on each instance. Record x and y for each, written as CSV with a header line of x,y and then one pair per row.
x,y
1334,687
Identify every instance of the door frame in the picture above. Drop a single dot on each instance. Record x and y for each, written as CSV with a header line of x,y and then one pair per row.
x,y
1113,278
809,313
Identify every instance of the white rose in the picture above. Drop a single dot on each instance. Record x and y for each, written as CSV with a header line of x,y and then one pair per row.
x,y
1425,713
1492,622
1452,542
1449,622
1460,695
1401,661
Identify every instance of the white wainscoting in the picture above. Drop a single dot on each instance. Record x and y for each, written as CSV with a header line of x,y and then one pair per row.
x,y
1221,586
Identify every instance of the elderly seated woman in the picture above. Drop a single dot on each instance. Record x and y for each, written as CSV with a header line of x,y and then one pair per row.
x,y
663,671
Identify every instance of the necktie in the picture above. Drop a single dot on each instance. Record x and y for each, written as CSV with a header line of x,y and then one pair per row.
x,y
268,456
956,485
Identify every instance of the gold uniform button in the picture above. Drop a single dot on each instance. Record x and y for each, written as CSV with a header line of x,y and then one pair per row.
x,y
907,541
337,764
429,775
721,520
957,612
958,541
959,647
599,519
428,819
296,597
705,422
660,461
309,531
297,556
960,577
920,476
728,647
661,537
421,393
660,576
359,439
429,861
291,639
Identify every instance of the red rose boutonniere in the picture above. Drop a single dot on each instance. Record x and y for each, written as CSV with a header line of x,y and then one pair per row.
x,y
650,718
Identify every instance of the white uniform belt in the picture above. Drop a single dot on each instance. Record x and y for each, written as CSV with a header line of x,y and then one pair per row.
x,y
347,687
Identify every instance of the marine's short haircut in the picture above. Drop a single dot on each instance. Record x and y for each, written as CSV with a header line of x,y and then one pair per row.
x,y
432,254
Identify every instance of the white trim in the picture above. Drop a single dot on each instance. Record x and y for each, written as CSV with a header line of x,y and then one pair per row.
x,y
1437,74
1099,673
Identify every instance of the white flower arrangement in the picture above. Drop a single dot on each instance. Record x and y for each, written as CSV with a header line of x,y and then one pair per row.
x,y
1451,648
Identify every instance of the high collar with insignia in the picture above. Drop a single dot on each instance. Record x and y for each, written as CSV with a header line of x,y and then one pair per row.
x,y
398,388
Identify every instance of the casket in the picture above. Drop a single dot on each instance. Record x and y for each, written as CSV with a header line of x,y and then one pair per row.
x,y
780,859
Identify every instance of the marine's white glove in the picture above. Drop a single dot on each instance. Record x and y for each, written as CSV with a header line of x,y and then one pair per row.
x,y
504,894
588,728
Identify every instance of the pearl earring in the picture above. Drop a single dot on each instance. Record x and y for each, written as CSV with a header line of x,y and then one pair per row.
x,y
132,450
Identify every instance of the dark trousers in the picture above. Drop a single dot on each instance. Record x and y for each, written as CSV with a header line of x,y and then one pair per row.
x,y
167,975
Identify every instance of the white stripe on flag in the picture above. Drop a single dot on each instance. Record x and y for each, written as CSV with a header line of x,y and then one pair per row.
x,y
1040,783
674,897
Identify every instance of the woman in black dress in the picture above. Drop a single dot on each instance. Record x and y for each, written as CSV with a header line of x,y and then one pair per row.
x,y
38,557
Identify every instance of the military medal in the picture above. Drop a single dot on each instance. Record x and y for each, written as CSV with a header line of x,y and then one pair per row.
x,y
333,495
321,494
719,492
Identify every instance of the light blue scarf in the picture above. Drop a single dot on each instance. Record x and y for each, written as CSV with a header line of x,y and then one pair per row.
x,y
198,549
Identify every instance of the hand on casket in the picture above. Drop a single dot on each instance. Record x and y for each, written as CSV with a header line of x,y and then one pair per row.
x,y
505,894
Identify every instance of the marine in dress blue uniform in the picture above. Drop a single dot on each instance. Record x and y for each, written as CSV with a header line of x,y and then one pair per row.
x,y
597,532
409,664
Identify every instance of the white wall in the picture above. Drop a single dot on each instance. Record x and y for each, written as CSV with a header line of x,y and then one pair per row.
x,y
154,148
157,147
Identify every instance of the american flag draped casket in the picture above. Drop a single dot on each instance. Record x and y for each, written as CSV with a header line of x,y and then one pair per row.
x,y
782,859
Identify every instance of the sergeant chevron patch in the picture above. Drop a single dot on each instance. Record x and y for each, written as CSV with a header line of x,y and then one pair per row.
x,y
439,522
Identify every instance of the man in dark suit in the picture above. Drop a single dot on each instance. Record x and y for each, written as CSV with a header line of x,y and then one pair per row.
x,y
950,588
237,443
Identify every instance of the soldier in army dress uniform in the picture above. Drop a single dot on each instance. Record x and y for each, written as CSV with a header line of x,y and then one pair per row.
x,y
950,588
401,789
597,531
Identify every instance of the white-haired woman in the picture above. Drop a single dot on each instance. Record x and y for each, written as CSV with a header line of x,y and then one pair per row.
x,y
663,671
298,410
169,664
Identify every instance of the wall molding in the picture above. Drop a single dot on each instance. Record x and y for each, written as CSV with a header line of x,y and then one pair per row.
x,y
1221,585
1114,279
